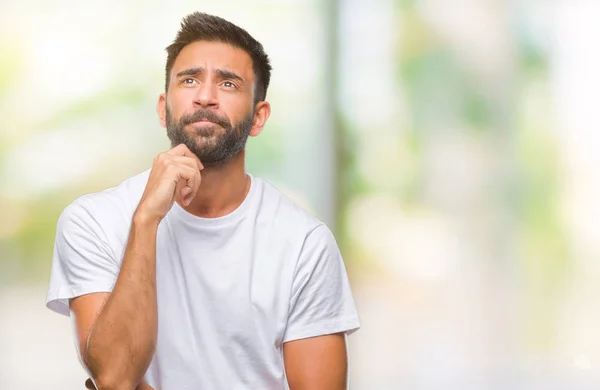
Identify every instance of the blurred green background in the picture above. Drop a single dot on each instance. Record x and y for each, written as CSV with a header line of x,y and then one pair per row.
x,y
451,146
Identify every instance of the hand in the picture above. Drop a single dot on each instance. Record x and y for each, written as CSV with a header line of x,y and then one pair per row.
x,y
175,173
142,386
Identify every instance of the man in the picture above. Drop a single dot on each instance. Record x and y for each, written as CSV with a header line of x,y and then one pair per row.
x,y
195,274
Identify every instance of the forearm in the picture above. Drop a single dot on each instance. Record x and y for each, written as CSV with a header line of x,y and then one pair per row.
x,y
123,339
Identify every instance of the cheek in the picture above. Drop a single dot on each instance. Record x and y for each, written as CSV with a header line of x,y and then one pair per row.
x,y
237,108
178,105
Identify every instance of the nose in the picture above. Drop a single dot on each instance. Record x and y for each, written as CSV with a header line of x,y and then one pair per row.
x,y
207,95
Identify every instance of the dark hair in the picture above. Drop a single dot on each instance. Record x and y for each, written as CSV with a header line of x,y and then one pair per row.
x,y
199,26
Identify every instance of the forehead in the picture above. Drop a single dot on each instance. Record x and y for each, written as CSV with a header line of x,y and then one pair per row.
x,y
209,55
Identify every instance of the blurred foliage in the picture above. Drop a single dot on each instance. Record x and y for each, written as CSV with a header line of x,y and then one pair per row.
x,y
441,95
10,62
544,247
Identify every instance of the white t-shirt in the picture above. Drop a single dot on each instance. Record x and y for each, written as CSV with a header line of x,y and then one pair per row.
x,y
231,290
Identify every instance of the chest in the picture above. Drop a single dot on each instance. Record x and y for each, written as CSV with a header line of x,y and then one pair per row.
x,y
223,286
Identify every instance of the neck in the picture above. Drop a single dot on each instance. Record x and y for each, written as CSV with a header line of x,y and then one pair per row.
x,y
222,189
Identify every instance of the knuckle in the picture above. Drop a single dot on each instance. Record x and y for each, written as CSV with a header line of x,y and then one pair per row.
x,y
190,172
161,158
170,168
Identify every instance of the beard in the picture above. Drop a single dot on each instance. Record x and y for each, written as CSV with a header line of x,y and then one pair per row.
x,y
213,149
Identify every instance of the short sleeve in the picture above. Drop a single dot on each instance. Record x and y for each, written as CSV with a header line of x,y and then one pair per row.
x,y
82,262
321,300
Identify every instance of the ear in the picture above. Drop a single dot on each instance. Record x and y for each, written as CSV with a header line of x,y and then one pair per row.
x,y
262,111
161,109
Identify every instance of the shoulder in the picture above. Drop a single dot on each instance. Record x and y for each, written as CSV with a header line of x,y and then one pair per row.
x,y
285,213
122,198
94,211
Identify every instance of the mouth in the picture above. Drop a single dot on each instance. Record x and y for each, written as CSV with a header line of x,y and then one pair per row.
x,y
204,122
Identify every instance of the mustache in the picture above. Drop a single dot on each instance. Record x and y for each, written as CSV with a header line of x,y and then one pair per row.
x,y
205,114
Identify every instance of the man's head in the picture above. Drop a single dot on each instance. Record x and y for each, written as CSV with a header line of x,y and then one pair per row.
x,y
217,77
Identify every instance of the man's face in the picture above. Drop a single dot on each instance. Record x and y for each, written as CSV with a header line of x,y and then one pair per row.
x,y
209,104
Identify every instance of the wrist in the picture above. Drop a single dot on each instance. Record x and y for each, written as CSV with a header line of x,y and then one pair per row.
x,y
142,218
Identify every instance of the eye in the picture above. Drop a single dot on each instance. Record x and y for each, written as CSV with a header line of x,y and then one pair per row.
x,y
229,84
188,81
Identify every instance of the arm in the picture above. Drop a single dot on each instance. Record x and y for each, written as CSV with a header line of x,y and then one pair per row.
x,y
317,363
142,386
117,331
321,314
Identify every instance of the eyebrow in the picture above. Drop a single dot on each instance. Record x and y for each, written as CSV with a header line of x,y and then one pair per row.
x,y
223,73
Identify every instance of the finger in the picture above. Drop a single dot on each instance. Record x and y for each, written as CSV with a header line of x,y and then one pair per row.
x,y
190,162
185,177
191,176
189,192
166,159
186,191
182,150
186,197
